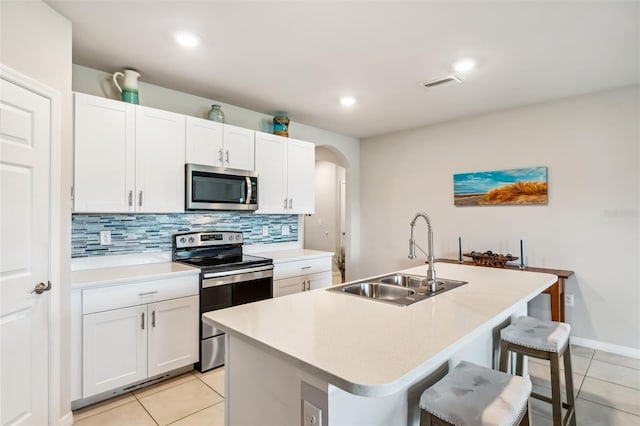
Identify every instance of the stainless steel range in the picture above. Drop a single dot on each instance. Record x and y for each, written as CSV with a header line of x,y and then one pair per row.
x,y
227,278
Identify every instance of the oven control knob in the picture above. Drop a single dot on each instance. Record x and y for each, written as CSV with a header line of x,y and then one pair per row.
x,y
230,237
183,240
238,237
192,240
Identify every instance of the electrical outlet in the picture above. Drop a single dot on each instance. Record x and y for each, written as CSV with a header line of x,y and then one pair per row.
x,y
265,231
311,415
105,238
285,229
568,300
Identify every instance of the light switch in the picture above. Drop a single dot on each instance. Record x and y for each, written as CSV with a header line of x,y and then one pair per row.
x,y
311,415
105,238
285,229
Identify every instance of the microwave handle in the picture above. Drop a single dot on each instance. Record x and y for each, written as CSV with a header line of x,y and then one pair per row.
x,y
249,189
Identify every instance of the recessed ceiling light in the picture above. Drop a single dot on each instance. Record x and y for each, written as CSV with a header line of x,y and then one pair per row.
x,y
347,101
464,65
187,39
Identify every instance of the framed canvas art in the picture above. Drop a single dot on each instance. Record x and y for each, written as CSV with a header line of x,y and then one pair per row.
x,y
501,187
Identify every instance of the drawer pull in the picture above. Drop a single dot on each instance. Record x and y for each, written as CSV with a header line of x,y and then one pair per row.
x,y
306,267
147,293
142,322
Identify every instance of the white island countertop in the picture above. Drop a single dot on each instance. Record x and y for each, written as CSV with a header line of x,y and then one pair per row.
x,y
371,348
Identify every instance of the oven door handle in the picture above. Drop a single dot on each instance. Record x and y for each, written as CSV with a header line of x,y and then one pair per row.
x,y
239,275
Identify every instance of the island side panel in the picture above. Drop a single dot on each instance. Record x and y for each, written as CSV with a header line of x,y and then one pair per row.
x,y
264,389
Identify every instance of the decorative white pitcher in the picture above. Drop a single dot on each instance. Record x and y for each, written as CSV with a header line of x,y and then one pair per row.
x,y
129,90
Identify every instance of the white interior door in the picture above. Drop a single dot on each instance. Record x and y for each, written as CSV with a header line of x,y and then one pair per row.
x,y
25,120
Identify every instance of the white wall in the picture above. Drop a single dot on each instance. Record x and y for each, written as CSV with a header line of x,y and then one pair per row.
x,y
590,145
347,148
320,228
36,41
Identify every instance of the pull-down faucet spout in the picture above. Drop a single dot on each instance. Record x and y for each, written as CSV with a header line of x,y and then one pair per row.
x,y
431,271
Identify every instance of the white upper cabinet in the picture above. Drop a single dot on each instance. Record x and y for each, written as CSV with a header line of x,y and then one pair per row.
x,y
160,146
220,145
204,142
286,170
301,166
104,178
271,166
239,148
128,158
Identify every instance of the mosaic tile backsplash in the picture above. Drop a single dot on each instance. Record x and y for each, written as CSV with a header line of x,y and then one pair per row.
x,y
141,233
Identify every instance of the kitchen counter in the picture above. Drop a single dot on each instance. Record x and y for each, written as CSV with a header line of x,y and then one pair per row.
x,y
369,348
292,255
101,277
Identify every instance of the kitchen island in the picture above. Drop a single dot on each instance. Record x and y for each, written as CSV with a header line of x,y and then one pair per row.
x,y
361,361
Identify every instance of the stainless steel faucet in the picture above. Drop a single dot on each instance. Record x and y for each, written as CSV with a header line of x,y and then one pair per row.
x,y
431,271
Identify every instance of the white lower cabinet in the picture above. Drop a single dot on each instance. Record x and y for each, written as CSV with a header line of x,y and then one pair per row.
x,y
114,347
169,346
301,275
131,332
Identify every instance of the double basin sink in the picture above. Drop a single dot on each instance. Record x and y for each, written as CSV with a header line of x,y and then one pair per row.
x,y
398,289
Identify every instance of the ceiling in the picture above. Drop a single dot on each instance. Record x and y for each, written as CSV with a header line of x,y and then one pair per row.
x,y
300,57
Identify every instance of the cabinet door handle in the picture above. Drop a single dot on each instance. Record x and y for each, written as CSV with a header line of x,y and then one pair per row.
x,y
153,319
285,203
140,199
142,322
227,153
147,293
308,284
306,267
290,203
304,285
220,155
130,198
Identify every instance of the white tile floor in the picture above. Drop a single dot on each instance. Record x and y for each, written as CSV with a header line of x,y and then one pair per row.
x,y
607,388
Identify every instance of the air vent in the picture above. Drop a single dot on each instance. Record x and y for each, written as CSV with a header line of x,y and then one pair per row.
x,y
440,81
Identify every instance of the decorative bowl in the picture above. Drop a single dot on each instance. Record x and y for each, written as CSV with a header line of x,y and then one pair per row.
x,y
488,258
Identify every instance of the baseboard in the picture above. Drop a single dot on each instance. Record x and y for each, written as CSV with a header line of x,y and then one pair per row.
x,y
66,420
607,347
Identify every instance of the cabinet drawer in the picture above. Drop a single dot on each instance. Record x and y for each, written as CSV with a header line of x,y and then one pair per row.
x,y
301,267
120,296
288,286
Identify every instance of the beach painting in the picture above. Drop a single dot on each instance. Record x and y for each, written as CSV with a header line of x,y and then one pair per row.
x,y
502,187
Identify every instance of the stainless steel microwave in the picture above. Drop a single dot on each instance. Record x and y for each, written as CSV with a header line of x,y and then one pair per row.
x,y
218,188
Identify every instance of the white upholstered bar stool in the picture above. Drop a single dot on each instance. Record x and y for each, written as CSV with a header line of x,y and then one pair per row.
x,y
547,340
471,395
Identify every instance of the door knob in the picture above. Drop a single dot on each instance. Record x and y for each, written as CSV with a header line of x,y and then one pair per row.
x,y
41,288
